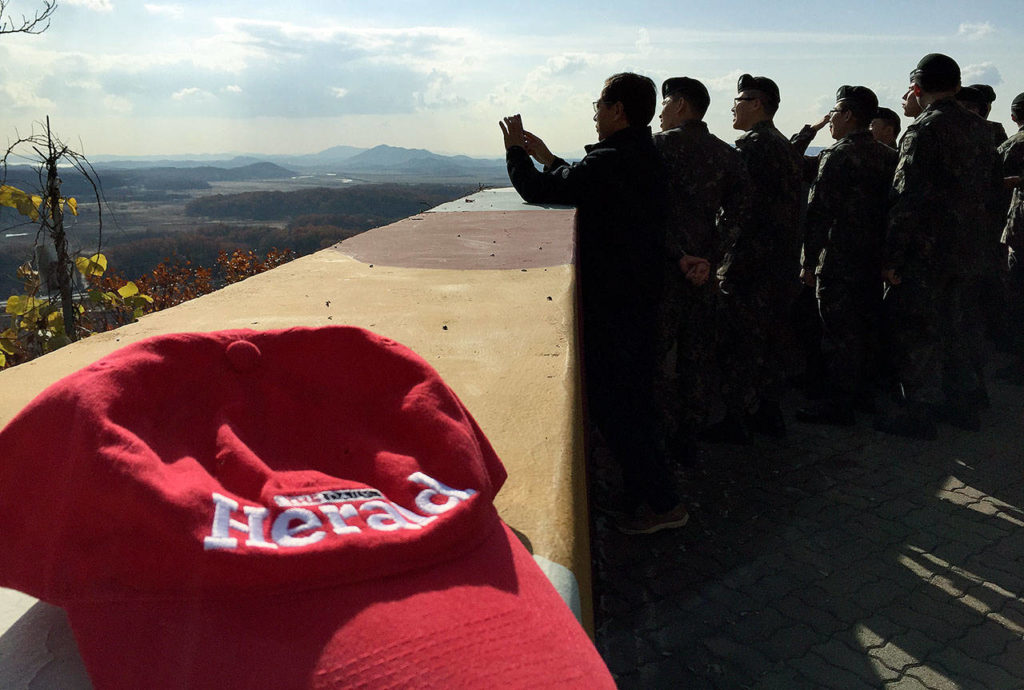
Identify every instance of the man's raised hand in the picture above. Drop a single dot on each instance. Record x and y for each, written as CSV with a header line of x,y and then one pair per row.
x,y
536,147
512,130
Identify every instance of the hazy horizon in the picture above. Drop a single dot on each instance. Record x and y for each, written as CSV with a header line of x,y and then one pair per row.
x,y
191,79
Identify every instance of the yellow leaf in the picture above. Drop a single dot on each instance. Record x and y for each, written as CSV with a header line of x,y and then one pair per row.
x,y
95,265
23,203
55,319
19,305
3,360
13,197
72,205
128,289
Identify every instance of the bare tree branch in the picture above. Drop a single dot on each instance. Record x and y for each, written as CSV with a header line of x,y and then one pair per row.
x,y
50,154
36,24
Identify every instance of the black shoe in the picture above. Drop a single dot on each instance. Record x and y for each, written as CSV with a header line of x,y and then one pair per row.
x,y
683,449
960,414
907,424
732,429
865,402
768,420
645,521
978,398
827,412
1012,374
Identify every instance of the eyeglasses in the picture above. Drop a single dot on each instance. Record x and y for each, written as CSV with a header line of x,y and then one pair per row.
x,y
743,98
836,111
596,104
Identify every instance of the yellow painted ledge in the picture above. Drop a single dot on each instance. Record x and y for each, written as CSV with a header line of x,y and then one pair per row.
x,y
504,340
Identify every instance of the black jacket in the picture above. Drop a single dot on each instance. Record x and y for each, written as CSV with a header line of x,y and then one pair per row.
x,y
620,196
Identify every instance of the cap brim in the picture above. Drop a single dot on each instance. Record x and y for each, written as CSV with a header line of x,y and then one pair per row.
x,y
489,618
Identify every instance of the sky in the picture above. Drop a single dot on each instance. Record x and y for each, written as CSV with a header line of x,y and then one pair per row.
x,y
210,77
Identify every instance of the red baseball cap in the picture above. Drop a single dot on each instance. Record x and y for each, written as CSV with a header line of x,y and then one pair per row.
x,y
296,508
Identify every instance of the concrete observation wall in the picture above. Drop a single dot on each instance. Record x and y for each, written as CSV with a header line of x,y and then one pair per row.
x,y
483,288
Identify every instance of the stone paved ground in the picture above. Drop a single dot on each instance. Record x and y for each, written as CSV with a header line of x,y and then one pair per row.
x,y
835,558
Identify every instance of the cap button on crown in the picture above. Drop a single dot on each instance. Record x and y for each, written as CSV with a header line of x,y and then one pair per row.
x,y
243,355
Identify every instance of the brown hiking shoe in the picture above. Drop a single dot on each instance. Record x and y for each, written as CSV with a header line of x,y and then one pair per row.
x,y
645,521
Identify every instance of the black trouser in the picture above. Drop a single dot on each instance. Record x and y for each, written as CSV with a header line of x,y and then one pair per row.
x,y
936,340
620,352
850,314
1015,304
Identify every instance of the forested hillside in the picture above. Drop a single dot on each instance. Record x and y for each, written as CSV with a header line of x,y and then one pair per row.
x,y
390,201
303,221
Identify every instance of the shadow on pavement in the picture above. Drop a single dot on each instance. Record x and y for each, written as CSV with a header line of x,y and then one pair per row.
x,y
835,558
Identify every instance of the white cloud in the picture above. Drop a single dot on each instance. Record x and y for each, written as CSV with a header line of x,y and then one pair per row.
x,y
232,88
975,31
643,42
565,65
118,105
95,5
23,95
173,11
982,73
439,92
189,93
339,92
726,82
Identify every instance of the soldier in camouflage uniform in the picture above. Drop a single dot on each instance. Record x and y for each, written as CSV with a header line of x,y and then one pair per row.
x,y
946,185
1012,154
978,98
708,204
843,235
990,312
885,127
758,273
801,140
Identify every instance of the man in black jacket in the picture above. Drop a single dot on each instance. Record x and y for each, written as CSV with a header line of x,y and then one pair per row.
x,y
619,193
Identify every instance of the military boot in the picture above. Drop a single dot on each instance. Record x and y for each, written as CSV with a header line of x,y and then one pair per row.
x,y
768,419
912,420
732,429
833,411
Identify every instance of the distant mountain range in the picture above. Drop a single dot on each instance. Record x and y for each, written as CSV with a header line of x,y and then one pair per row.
x,y
379,160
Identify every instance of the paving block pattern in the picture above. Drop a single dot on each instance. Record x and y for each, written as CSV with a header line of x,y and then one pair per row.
x,y
833,558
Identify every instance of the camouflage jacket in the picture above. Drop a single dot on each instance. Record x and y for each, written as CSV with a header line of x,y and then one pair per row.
x,y
946,194
769,245
1012,152
801,141
997,130
708,191
846,213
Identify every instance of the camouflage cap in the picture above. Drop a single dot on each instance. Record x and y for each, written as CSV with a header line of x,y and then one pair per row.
x,y
939,66
859,94
889,116
690,89
764,84
971,94
986,91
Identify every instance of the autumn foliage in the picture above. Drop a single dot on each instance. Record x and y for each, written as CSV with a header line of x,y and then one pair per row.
x,y
110,300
